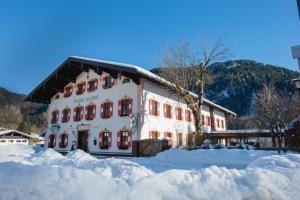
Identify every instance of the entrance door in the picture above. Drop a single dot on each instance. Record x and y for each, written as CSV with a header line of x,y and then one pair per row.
x,y
82,142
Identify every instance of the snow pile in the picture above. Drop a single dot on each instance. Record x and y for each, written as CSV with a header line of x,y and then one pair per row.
x,y
174,174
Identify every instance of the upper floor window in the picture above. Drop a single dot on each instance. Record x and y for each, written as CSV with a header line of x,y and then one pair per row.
x,y
178,113
106,110
125,107
92,85
203,120
154,108
63,140
104,139
154,135
222,123
168,111
66,114
68,91
78,113
208,120
124,139
90,112
107,82
54,116
188,115
80,89
51,141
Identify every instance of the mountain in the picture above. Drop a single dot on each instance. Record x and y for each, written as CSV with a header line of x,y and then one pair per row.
x,y
236,82
15,113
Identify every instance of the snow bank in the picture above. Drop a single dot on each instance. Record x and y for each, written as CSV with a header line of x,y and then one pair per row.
x,y
174,174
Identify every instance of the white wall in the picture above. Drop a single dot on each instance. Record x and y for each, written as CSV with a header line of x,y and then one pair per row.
x,y
162,124
114,124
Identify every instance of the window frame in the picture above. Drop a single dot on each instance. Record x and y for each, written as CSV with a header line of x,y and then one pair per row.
x,y
68,91
80,88
94,84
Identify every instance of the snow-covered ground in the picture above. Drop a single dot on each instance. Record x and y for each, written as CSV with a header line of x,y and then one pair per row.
x,y
27,173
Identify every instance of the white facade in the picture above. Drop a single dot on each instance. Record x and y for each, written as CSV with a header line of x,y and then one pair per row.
x,y
140,95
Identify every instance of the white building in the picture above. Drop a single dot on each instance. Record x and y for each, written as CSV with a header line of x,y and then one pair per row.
x,y
8,136
105,107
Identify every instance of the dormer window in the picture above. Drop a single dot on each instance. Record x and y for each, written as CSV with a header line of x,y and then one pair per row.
x,y
54,116
92,85
68,91
107,82
80,89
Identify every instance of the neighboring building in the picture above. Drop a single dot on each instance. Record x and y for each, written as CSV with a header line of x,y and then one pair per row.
x,y
104,107
8,136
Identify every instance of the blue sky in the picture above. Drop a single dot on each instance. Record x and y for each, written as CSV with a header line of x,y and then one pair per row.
x,y
36,36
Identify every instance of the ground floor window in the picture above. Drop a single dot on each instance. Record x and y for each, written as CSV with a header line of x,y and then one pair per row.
x,y
154,135
104,139
124,139
51,141
63,140
169,136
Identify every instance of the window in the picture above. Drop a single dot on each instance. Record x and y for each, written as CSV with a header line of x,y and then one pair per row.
x,y
107,82
218,123
222,123
203,120
105,139
126,80
24,141
154,108
80,89
208,120
66,115
154,135
78,114
168,111
188,115
106,110
63,140
2,141
178,113
169,136
124,139
125,107
90,112
92,85
51,141
54,116
18,141
68,91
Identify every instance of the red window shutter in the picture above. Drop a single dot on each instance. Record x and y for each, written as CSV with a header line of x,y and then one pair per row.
x,y
158,109
109,139
65,92
129,106
83,87
171,112
129,139
120,107
118,138
85,113
71,90
150,107
103,82
111,109
203,119
62,114
165,109
100,138
96,84
176,113
102,110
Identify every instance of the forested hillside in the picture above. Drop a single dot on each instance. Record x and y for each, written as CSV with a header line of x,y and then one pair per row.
x,y
235,83
15,113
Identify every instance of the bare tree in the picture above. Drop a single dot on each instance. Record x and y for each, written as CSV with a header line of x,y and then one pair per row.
x,y
273,111
187,71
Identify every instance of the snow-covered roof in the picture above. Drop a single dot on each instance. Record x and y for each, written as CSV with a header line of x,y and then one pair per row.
x,y
61,76
4,131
